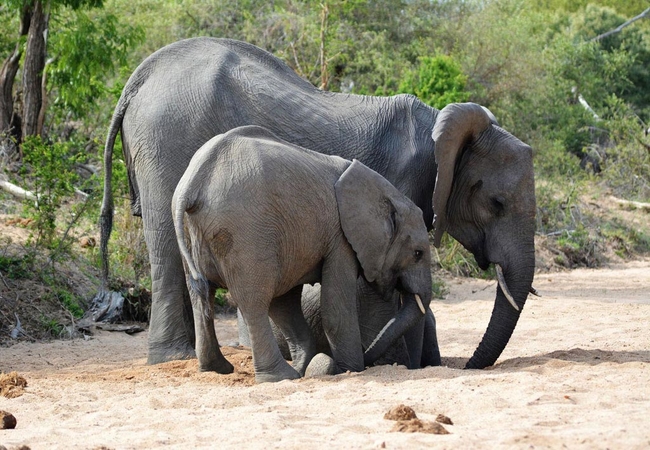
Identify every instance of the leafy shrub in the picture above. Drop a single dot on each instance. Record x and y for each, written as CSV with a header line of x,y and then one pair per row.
x,y
454,258
51,168
437,81
17,267
627,163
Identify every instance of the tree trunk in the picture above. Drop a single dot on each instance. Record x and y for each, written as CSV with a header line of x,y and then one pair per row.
x,y
7,76
35,54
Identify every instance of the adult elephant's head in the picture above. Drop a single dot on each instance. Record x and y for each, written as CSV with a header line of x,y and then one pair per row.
x,y
387,232
485,198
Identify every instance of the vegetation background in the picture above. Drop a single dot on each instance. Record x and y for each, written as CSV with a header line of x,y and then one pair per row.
x,y
569,77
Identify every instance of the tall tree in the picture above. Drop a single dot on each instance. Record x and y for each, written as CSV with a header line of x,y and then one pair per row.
x,y
35,54
34,23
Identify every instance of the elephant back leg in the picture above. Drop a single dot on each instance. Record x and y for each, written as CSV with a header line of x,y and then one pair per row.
x,y
207,344
254,302
171,330
286,313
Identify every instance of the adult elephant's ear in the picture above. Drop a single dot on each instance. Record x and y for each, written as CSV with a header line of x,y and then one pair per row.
x,y
368,215
457,125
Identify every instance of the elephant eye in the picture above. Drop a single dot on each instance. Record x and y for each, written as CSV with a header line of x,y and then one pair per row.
x,y
418,255
499,203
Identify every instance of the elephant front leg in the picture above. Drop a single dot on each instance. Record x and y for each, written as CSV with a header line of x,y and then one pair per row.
x,y
339,309
207,346
286,312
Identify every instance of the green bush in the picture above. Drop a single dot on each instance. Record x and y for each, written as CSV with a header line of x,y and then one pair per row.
x,y
454,258
51,169
437,81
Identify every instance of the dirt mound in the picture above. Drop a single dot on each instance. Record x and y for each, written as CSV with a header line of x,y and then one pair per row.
x,y
12,385
401,412
176,372
419,426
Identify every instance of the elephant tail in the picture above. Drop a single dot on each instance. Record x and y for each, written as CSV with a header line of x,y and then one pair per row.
x,y
180,205
138,78
106,214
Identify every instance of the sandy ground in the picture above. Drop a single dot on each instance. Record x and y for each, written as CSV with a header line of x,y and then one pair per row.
x,y
576,373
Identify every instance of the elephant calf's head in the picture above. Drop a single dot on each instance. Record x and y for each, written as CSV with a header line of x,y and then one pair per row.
x,y
386,231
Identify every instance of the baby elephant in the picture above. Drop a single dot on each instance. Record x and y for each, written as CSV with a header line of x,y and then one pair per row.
x,y
262,217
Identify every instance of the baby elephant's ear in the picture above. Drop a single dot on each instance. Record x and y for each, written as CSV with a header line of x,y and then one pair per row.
x,y
367,214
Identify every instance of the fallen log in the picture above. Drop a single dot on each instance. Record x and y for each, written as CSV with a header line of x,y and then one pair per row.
x,y
632,204
17,191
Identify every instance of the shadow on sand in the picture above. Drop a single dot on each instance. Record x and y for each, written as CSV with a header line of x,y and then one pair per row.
x,y
589,357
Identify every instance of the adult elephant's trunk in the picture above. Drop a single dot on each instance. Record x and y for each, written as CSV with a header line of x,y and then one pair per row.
x,y
410,315
504,315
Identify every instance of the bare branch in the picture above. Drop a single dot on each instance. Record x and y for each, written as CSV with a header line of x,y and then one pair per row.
x,y
631,204
17,191
618,29
324,76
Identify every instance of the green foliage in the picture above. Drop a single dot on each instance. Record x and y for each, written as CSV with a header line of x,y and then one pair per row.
x,y
627,162
53,326
579,247
220,297
68,300
557,204
17,267
626,241
454,258
51,169
628,7
86,49
439,289
437,82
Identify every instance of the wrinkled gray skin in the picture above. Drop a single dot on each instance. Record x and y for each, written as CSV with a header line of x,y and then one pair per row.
x,y
264,217
186,93
311,310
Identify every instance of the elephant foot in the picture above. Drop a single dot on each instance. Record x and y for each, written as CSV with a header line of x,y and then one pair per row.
x,y
301,361
221,366
285,372
321,364
160,354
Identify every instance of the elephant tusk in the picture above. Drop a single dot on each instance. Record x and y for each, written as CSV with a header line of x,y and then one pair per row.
x,y
419,301
504,286
380,334
534,292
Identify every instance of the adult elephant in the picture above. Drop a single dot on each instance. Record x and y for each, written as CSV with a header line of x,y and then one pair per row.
x,y
187,92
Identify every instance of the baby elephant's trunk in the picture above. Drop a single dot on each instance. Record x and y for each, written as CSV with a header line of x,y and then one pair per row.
x,y
409,316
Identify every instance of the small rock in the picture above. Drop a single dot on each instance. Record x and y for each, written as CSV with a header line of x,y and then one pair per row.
x,y
87,242
444,419
7,421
